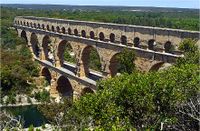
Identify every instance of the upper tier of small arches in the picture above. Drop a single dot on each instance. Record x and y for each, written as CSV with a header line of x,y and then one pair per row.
x,y
151,44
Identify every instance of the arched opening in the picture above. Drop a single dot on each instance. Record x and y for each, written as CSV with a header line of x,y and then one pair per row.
x,y
43,27
156,66
20,22
34,25
69,31
151,44
65,52
52,28
64,86
83,33
48,27
63,30
168,47
136,41
101,36
27,24
90,59
86,90
75,32
92,34
112,37
47,48
34,44
46,73
39,26
123,40
31,24
114,66
58,29
24,23
23,35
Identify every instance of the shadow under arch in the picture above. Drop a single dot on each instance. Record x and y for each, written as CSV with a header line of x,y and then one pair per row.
x,y
156,66
47,48
46,73
91,59
112,37
168,47
24,36
136,41
64,86
151,44
114,64
35,44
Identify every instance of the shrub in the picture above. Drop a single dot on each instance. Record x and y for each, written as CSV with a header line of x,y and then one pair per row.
x,y
31,128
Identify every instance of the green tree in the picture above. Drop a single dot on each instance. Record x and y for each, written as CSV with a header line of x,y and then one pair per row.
x,y
126,61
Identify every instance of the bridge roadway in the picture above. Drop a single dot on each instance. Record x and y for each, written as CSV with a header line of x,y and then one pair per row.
x,y
67,71
140,52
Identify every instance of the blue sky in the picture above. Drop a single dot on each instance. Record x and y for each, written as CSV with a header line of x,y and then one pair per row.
x,y
157,3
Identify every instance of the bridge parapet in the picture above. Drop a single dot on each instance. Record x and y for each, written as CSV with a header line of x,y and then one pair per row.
x,y
117,33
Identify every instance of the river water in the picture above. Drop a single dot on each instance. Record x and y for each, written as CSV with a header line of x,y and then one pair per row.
x,y
29,114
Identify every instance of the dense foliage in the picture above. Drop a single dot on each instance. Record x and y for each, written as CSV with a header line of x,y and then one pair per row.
x,y
17,68
132,100
180,20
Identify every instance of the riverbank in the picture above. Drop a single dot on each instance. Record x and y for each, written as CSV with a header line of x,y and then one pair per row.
x,y
19,100
20,104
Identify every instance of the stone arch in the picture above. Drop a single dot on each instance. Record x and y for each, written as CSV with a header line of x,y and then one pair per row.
x,y
48,27
58,29
136,41
69,31
62,46
123,40
46,48
92,35
46,73
63,30
31,24
151,44
83,33
114,64
64,86
87,63
168,46
52,28
101,36
27,24
156,66
75,32
20,22
43,26
34,25
35,44
86,90
112,37
39,26
24,23
24,36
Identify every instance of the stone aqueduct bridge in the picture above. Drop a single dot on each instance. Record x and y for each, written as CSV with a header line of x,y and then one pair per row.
x,y
47,39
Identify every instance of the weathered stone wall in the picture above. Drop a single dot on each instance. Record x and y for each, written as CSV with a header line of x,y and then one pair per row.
x,y
145,33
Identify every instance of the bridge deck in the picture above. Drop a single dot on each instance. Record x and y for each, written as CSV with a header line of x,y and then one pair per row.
x,y
144,53
67,73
